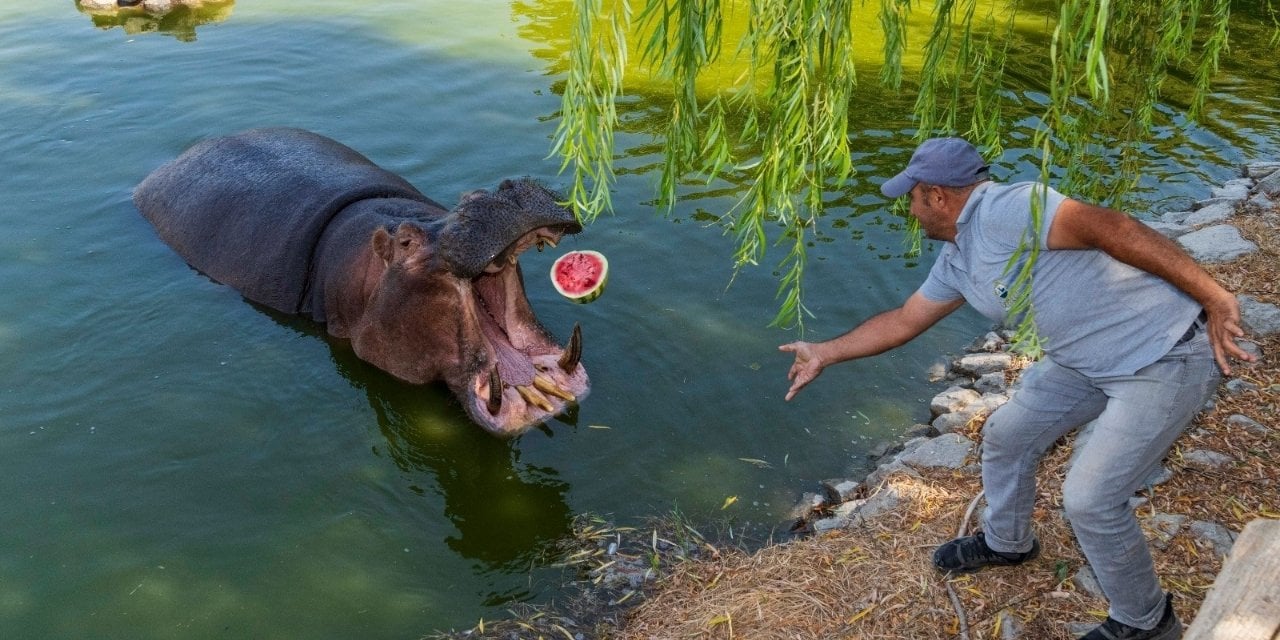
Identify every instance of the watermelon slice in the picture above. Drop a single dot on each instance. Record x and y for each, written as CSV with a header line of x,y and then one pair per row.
x,y
580,275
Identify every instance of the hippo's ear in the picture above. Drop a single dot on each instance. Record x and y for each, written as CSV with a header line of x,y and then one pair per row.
x,y
468,196
406,241
383,245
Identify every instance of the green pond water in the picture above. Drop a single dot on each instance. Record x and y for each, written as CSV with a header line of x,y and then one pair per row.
x,y
177,462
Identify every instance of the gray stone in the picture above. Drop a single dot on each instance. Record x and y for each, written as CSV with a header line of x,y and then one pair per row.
x,y
1218,243
1260,318
920,431
993,401
1086,581
1209,202
978,364
100,5
958,420
1169,229
883,449
1175,217
1162,527
883,501
1236,188
1261,201
1220,538
989,343
829,524
953,399
1269,185
1252,348
1236,386
888,469
951,422
809,503
1158,476
840,491
1213,213
1207,458
1239,421
947,451
936,371
1011,627
1259,170
991,383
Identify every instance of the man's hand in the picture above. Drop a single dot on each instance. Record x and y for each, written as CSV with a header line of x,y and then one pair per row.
x,y
1223,328
806,367
880,333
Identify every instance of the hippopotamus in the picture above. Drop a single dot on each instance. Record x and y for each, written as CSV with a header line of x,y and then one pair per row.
x,y
305,225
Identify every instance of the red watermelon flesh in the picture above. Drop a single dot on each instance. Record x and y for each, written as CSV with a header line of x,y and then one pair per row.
x,y
580,275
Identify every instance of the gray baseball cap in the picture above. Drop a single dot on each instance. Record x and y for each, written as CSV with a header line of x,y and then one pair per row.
x,y
946,162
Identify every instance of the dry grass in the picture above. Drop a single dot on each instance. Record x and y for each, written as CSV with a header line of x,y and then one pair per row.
x,y
877,581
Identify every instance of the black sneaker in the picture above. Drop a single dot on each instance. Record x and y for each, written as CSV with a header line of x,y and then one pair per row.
x,y
966,555
1168,629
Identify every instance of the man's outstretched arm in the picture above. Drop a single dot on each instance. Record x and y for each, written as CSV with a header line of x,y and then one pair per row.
x,y
877,334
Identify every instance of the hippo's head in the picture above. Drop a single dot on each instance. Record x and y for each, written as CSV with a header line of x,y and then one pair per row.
x,y
455,291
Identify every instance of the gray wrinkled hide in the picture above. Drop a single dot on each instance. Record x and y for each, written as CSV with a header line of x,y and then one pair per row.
x,y
266,196
484,224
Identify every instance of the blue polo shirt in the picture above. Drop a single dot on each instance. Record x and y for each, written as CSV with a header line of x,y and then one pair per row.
x,y
1094,314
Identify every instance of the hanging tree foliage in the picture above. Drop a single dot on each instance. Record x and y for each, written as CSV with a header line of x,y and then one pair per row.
x,y
1108,62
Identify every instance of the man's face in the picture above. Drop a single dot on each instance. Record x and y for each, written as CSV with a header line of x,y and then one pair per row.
x,y
923,207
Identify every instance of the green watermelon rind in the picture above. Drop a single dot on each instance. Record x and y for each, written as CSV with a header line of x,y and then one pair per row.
x,y
594,292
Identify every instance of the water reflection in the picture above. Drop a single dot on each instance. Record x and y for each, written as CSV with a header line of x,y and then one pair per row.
x,y
178,18
506,513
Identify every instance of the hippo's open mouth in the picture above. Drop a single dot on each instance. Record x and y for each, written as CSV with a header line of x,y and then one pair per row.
x,y
527,378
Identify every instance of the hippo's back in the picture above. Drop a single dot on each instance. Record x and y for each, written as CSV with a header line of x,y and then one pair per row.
x,y
248,209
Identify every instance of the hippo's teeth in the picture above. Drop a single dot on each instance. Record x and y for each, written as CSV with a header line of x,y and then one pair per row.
x,y
549,386
536,399
494,404
572,351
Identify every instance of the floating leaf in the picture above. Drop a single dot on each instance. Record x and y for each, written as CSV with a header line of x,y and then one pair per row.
x,y
728,502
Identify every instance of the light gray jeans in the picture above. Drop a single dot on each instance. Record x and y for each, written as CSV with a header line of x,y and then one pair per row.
x,y
1137,419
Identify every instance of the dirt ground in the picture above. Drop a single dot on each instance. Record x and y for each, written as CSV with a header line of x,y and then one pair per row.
x,y
877,581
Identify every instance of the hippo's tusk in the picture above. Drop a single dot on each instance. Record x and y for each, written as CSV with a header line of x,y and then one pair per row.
x,y
495,392
536,399
548,386
572,351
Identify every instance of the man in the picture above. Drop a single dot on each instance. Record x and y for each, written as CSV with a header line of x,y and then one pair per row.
x,y
1134,335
